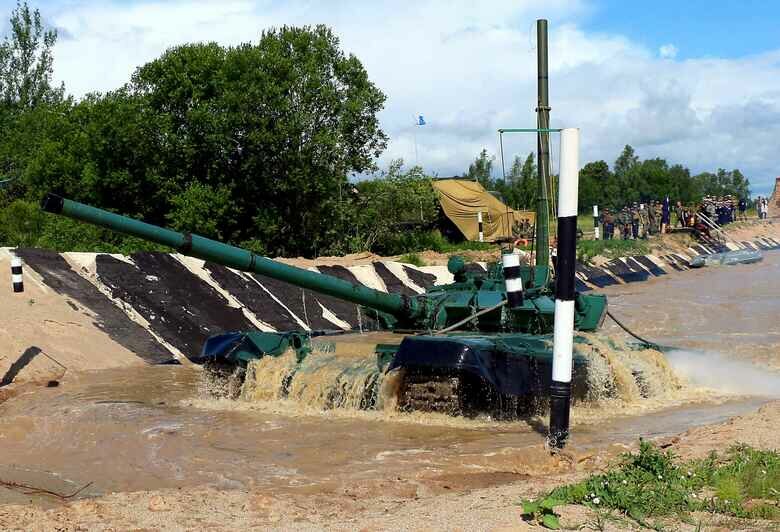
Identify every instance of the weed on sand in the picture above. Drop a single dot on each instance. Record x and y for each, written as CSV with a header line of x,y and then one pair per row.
x,y
651,486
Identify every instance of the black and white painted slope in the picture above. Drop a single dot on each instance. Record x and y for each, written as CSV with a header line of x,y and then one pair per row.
x,y
161,306
57,274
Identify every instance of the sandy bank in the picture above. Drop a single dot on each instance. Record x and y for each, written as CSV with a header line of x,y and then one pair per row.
x,y
457,502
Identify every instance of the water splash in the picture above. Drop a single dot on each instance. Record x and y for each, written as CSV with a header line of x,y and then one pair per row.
x,y
323,379
718,372
622,371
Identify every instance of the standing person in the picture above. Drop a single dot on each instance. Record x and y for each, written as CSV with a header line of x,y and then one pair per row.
x,y
765,208
732,208
635,221
651,217
742,209
760,208
644,222
625,223
609,224
666,208
680,212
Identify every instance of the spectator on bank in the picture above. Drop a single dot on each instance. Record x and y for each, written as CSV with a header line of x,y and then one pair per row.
x,y
742,209
608,221
679,210
666,209
651,221
762,206
635,221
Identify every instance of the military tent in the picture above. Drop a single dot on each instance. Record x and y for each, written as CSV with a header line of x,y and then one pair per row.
x,y
462,200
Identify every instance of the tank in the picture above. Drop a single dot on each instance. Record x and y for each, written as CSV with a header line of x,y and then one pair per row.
x,y
461,347
483,343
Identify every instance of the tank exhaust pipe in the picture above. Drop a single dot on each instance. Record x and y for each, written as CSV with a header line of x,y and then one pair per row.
x,y
563,329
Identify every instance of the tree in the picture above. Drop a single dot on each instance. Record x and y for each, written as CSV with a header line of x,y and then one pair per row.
x,y
26,61
526,188
481,169
625,179
279,124
395,202
25,85
596,186
626,161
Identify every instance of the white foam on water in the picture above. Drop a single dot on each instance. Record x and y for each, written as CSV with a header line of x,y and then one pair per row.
x,y
718,372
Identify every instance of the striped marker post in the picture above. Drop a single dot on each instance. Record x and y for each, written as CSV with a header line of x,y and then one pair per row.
x,y
563,335
514,284
479,223
16,274
596,221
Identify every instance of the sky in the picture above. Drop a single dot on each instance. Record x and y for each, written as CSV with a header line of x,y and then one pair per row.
x,y
695,82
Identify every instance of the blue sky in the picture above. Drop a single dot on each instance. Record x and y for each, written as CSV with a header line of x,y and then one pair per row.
x,y
698,28
694,82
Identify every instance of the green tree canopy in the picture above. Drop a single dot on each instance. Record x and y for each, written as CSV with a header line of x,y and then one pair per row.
x,y
482,169
26,61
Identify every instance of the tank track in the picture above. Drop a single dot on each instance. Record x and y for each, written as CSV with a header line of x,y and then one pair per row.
x,y
463,395
431,393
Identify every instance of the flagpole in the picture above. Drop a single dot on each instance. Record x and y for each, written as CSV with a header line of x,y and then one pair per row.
x,y
416,158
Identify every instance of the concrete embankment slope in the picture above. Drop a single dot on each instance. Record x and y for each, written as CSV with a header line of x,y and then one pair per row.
x,y
87,311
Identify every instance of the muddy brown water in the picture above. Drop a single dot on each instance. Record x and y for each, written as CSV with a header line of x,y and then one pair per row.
x,y
146,428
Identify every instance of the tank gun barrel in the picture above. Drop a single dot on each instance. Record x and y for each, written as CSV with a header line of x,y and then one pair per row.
x,y
234,257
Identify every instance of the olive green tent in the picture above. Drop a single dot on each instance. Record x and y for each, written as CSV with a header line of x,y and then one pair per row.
x,y
462,200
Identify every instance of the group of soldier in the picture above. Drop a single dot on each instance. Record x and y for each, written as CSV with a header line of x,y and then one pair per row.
x,y
636,221
641,220
724,209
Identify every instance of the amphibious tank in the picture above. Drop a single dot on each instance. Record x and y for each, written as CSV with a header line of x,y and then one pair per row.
x,y
483,343
483,339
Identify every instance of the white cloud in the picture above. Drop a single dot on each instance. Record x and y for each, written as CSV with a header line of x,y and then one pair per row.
x,y
470,68
668,51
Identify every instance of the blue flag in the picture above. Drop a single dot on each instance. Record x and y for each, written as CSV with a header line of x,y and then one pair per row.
x,y
420,121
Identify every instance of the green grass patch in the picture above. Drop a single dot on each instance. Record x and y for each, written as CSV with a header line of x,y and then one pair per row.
x,y
412,258
652,485
587,249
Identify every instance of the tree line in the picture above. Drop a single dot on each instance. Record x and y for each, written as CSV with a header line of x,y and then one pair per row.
x,y
257,144
629,180
252,144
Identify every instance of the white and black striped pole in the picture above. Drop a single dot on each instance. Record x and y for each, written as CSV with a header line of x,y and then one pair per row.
x,y
563,339
514,283
479,224
596,221
16,274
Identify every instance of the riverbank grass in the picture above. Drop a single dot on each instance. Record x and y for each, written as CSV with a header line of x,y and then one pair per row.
x,y
587,249
652,486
